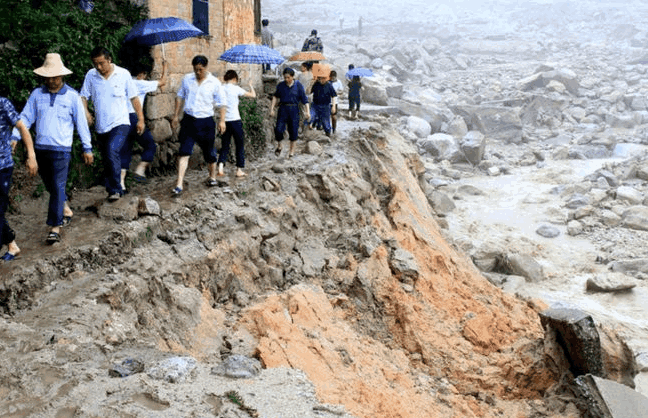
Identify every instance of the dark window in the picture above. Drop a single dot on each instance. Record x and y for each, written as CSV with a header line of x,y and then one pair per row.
x,y
201,15
257,16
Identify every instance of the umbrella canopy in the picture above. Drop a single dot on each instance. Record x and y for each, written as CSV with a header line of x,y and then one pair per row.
x,y
307,56
361,72
252,54
160,30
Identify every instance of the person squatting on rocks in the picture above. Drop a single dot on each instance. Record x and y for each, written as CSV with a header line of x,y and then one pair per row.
x,y
267,39
324,102
55,109
288,95
313,43
339,89
140,74
9,119
233,123
110,87
199,93
354,96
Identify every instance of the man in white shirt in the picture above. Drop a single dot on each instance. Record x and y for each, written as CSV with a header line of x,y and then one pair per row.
x,y
110,88
199,93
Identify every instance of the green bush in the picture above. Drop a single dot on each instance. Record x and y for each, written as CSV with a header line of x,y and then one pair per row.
x,y
34,28
255,140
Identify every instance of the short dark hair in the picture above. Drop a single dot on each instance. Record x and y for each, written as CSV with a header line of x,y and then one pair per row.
x,y
140,68
230,75
333,73
308,65
265,22
200,60
314,32
351,66
289,70
100,51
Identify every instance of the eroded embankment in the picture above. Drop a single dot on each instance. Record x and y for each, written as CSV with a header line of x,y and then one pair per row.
x,y
331,262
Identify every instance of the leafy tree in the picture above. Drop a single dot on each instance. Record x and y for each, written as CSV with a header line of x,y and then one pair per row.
x,y
32,28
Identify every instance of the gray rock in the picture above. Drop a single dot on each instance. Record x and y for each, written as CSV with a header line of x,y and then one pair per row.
x,y
579,338
190,250
238,367
635,217
548,231
418,126
629,194
473,145
442,146
610,282
502,123
642,362
624,266
126,368
125,209
174,370
574,228
403,264
608,399
440,202
314,148
524,265
457,127
577,200
314,255
148,206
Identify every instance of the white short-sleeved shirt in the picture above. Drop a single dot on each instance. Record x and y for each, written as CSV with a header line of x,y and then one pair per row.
x,y
143,87
232,94
110,97
200,99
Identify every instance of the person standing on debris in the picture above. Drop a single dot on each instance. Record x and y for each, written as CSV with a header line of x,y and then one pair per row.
x,y
354,96
339,89
9,119
140,74
199,93
233,123
306,78
267,39
324,102
289,94
56,109
351,67
313,43
110,88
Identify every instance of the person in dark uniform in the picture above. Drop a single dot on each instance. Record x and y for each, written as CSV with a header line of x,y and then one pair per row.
x,y
289,94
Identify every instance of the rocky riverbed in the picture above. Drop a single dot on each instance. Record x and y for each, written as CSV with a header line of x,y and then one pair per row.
x,y
503,149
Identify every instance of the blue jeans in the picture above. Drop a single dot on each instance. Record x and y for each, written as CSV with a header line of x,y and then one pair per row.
x,y
288,116
323,116
110,145
7,234
145,140
235,129
53,168
201,131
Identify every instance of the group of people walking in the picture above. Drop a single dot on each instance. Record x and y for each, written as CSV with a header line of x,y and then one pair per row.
x,y
55,110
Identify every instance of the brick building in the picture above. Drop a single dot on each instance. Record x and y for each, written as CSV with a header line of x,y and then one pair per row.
x,y
226,23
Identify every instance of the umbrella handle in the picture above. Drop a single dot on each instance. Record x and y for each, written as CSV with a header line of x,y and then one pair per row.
x,y
163,55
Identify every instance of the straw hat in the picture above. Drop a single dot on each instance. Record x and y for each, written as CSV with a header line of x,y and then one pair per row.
x,y
52,67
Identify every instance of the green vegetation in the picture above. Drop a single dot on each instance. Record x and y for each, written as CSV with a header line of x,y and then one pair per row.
x,y
34,28
255,140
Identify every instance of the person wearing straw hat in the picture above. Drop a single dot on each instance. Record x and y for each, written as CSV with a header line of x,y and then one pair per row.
x,y
110,87
56,109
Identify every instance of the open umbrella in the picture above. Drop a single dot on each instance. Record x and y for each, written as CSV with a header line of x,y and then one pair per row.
x,y
307,56
360,72
252,54
160,30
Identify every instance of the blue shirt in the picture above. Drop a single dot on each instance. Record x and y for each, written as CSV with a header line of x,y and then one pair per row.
x,y
200,99
8,119
291,95
55,116
109,96
322,93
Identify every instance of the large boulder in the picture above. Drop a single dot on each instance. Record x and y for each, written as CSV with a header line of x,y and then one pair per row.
x,y
635,217
473,145
442,146
418,126
375,91
495,122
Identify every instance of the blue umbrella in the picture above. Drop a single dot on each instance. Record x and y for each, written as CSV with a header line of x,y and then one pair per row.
x,y
361,72
252,54
160,30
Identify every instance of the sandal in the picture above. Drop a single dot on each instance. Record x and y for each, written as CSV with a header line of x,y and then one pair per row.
x,y
8,256
211,182
176,192
53,237
140,179
278,151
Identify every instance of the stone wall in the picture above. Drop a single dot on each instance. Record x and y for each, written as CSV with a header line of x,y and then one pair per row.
x,y
231,22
